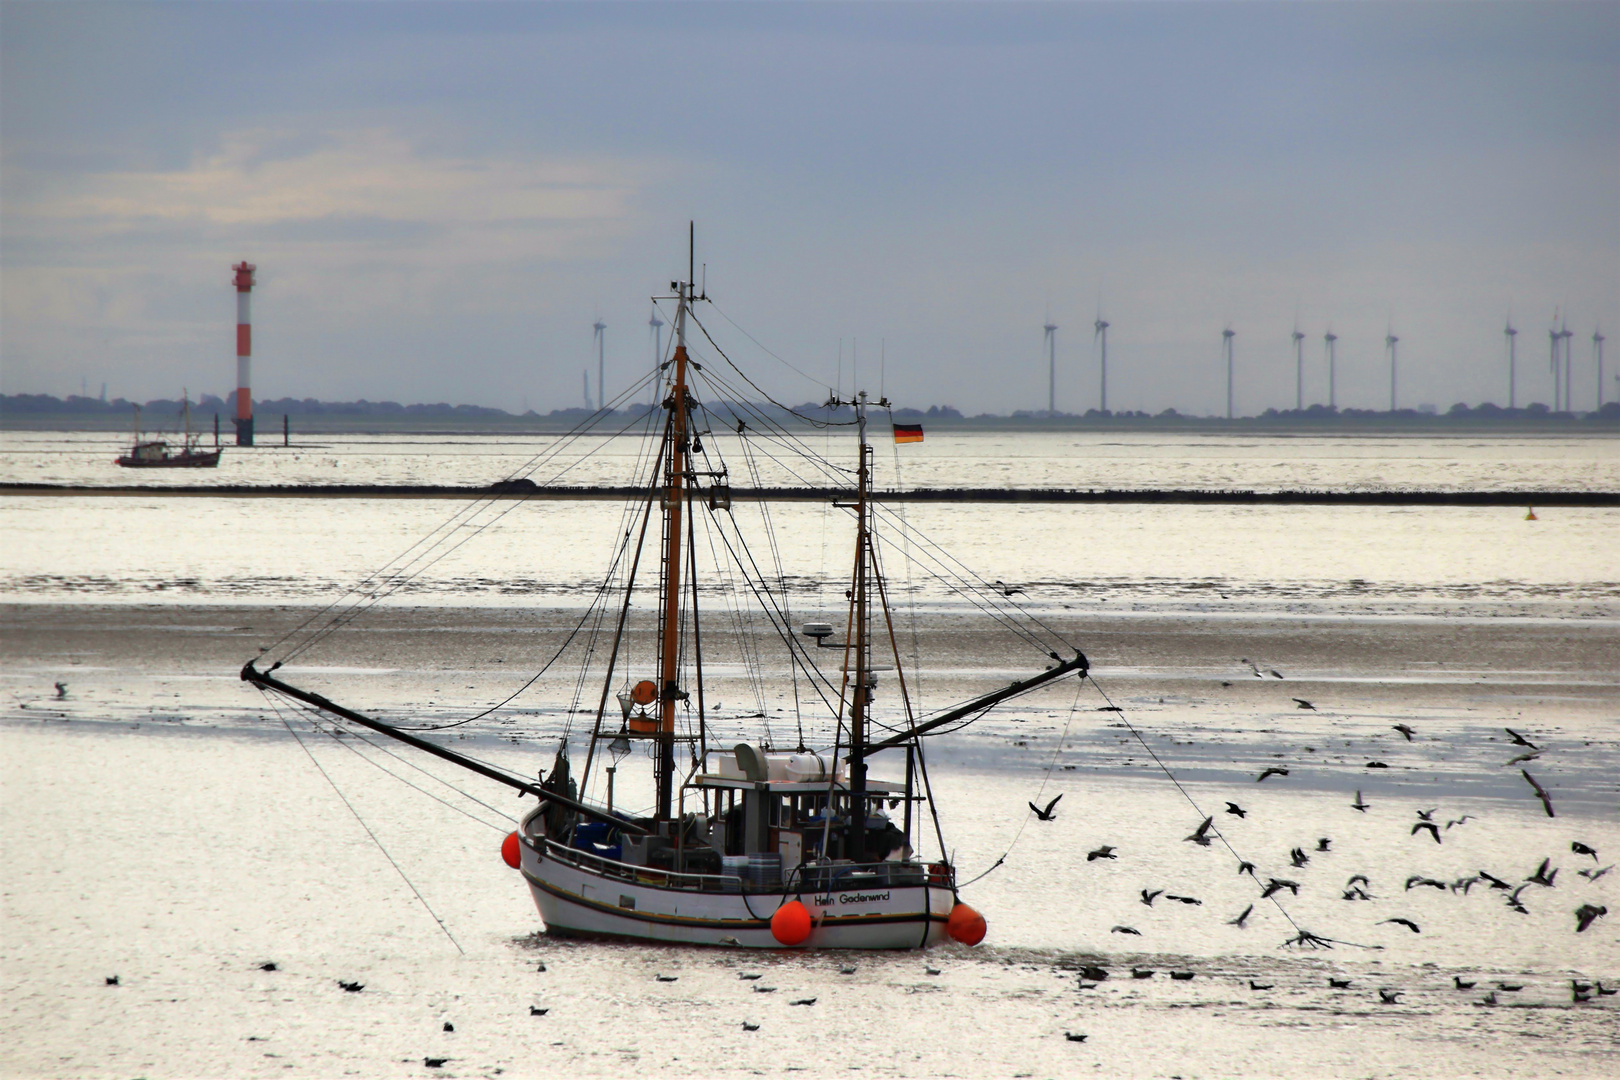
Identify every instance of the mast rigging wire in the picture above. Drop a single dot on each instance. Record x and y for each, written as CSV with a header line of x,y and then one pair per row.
x,y
339,791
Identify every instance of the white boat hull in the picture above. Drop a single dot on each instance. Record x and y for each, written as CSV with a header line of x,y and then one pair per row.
x,y
576,900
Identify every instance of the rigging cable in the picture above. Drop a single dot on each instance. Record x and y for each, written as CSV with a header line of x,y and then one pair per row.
x,y
446,527
1045,778
1304,937
428,907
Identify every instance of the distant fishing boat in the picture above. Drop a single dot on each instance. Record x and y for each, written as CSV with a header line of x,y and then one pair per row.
x,y
750,846
159,454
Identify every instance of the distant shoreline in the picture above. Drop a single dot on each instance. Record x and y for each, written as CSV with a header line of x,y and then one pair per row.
x,y
37,412
781,494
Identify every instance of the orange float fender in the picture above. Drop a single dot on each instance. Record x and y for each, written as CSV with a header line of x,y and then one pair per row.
x,y
965,925
509,850
791,923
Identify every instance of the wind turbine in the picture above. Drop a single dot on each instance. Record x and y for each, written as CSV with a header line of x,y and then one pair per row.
x,y
1390,341
1051,372
1569,389
1299,370
1099,331
601,364
1597,355
1513,361
1331,340
1226,343
1558,384
656,325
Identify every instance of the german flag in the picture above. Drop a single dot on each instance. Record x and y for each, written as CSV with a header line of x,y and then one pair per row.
x,y
908,433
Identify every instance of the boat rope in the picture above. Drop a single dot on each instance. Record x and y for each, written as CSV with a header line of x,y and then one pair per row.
x,y
1051,763
397,572
807,377
402,876
756,387
337,738
1303,937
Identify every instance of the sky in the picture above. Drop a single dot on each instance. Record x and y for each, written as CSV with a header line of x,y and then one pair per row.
x,y
441,199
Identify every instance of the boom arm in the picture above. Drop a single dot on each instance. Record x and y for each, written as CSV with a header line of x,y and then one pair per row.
x,y
1079,663
527,787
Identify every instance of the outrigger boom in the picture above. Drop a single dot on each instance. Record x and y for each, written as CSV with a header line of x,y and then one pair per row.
x,y
527,787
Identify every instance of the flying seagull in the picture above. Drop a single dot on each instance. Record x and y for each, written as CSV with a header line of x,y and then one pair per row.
x,y
1104,852
1390,997
1241,919
1405,730
1299,858
1520,740
1126,930
1408,923
1531,756
1248,868
1277,885
1358,804
1541,877
1434,830
1541,793
1586,914
1272,771
1045,815
1594,873
1201,837
1302,703
1234,808
1581,849
1418,879
1147,897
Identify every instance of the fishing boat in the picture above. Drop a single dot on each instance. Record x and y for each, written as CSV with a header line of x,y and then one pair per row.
x,y
159,454
756,844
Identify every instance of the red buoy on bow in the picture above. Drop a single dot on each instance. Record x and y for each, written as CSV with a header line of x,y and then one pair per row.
x,y
965,925
509,850
791,923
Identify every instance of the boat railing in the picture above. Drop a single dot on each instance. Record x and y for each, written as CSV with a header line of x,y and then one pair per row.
x,y
644,875
819,878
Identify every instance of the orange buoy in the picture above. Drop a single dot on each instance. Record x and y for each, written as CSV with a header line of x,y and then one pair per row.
x,y
791,923
644,692
965,925
509,850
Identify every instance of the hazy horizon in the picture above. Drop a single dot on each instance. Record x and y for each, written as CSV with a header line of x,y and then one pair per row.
x,y
442,198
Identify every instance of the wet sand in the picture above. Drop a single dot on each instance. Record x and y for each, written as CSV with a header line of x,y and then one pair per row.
x,y
160,824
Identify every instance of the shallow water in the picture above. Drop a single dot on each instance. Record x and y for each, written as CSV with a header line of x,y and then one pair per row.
x,y
946,459
161,822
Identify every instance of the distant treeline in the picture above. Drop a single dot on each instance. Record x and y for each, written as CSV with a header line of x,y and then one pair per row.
x,y
45,411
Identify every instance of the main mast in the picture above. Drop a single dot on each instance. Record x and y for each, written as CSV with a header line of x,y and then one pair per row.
x,y
863,679
677,464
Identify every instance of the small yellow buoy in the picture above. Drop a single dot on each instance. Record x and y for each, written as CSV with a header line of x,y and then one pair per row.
x,y
1530,514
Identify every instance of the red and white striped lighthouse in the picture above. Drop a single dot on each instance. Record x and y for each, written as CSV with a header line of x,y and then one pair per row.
x,y
244,353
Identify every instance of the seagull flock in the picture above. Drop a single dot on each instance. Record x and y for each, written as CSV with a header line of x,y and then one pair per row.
x,y
1360,886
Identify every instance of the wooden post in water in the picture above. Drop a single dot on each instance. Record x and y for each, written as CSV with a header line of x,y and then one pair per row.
x,y
216,431
285,431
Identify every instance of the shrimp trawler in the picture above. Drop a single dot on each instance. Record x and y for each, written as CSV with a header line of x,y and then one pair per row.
x,y
753,845
159,454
